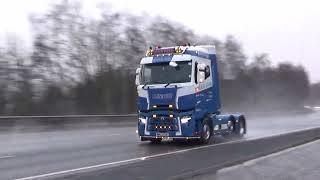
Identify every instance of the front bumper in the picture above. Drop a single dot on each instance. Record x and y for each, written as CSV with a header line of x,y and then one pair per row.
x,y
146,138
162,123
186,130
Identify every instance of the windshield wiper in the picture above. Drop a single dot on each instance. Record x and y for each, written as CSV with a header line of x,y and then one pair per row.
x,y
155,82
145,84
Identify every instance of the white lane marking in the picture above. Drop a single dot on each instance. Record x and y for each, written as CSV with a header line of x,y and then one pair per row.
x,y
4,157
147,157
113,134
255,161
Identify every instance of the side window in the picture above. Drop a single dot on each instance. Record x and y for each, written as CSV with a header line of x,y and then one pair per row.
x,y
207,72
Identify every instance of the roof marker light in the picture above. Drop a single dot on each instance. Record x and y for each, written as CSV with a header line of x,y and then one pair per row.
x,y
149,52
178,50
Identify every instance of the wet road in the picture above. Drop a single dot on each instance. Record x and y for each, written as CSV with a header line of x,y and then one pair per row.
x,y
301,162
30,154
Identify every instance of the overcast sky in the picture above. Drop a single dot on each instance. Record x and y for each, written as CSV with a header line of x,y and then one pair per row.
x,y
288,30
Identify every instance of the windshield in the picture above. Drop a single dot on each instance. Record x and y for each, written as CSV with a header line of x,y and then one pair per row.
x,y
163,73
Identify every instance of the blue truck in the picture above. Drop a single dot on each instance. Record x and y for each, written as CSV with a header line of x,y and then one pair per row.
x,y
179,96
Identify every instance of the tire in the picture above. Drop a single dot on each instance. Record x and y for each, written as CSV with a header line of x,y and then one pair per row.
x,y
240,128
156,140
206,133
232,129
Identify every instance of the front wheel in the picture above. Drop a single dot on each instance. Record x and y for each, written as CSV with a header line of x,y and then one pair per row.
x,y
206,133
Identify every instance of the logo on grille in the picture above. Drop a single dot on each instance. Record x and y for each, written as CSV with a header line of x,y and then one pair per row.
x,y
162,118
162,96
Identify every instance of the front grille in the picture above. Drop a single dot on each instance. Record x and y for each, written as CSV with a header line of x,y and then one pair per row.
x,y
163,124
163,128
163,118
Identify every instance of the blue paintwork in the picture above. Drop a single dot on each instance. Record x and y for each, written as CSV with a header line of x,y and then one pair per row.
x,y
222,118
216,86
142,103
187,102
162,96
162,59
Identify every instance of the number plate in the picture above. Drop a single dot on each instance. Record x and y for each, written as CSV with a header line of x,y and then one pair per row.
x,y
162,134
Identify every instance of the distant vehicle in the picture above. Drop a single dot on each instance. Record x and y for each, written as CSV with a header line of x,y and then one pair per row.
x,y
179,96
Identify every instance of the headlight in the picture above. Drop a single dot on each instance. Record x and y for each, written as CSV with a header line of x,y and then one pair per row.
x,y
143,119
185,119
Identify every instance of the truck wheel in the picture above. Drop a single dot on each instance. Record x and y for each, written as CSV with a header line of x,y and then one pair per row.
x,y
240,130
156,140
232,128
206,133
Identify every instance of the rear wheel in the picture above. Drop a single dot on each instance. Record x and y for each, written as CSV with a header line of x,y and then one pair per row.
x,y
206,133
240,130
232,128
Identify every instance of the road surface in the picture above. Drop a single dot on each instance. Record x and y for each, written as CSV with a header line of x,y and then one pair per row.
x,y
301,162
30,154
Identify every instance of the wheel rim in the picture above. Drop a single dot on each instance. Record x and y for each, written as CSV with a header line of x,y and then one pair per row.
x,y
231,126
241,130
206,131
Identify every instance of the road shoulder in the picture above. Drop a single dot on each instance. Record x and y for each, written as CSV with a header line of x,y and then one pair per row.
x,y
301,162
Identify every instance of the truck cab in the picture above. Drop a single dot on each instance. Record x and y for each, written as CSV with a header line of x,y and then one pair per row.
x,y
179,95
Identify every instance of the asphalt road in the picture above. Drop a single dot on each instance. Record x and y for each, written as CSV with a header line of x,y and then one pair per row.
x,y
60,152
301,162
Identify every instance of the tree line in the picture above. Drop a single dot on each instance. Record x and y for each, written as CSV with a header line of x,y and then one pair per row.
x,y
83,65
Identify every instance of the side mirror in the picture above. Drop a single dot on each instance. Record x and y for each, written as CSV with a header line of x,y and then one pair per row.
x,y
201,72
201,67
138,76
201,77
